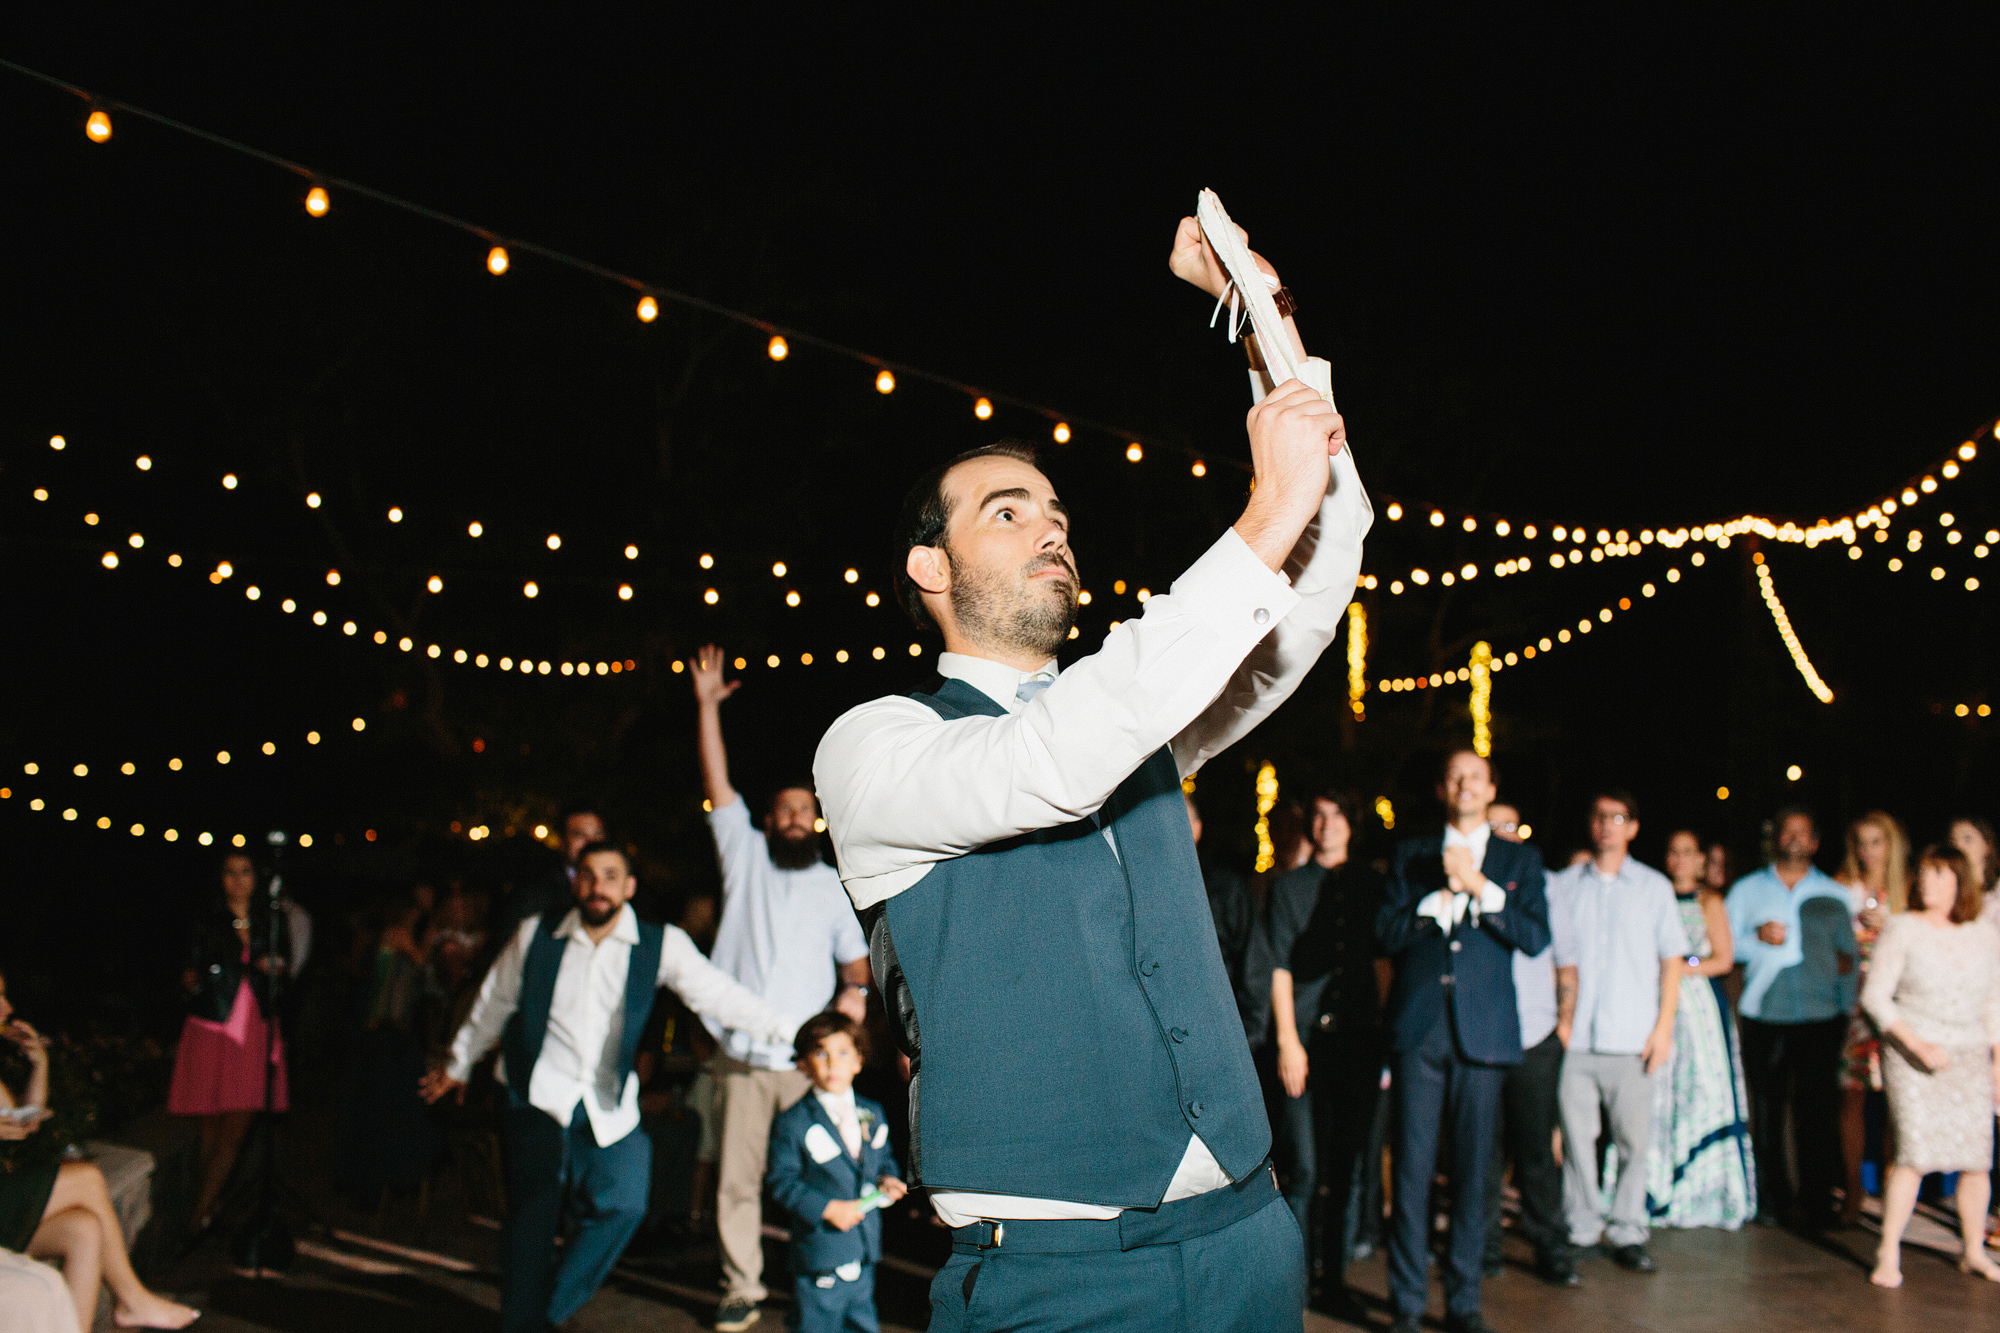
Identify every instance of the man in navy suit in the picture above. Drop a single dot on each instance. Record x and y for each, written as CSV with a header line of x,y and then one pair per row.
x,y
830,1168
1456,909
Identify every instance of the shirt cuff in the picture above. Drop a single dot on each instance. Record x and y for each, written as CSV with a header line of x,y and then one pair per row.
x,y
1438,906
1234,593
1492,898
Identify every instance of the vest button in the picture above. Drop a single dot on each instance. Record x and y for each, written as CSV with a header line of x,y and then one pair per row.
x,y
1178,1034
1195,1110
1148,967
1326,1020
1456,945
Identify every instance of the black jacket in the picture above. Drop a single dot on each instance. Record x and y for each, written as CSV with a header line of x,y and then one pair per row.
x,y
215,955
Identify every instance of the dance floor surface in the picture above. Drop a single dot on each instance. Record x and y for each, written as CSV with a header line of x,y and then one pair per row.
x,y
1708,1280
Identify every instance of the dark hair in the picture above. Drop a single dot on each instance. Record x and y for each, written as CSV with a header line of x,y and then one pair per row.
x,y
1444,764
1620,795
1991,866
804,784
820,1026
1344,802
591,849
572,810
926,513
1794,811
1971,894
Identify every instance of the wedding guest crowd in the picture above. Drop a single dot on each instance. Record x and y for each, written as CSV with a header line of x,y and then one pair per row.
x,y
1729,1031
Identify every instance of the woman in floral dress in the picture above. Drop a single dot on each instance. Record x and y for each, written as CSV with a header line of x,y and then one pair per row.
x,y
1876,874
1699,1170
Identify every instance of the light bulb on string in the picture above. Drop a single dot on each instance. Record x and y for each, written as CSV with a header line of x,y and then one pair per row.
x,y
649,309
885,382
983,408
496,260
778,349
1134,452
316,201
1062,432
98,126
1200,469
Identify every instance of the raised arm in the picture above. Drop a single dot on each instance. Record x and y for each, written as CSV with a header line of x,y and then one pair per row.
x,y
705,670
713,993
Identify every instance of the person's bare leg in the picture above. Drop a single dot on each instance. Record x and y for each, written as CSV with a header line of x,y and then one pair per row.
x,y
230,1127
72,1235
1853,1142
1974,1189
1899,1200
80,1189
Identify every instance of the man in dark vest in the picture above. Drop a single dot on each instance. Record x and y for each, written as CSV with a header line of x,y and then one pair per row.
x,y
1457,908
1082,1102
566,1000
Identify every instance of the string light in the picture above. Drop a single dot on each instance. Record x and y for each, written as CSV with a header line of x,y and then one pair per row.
x,y
1062,432
1267,799
1385,810
649,309
1134,452
98,127
1357,658
496,260
316,201
885,382
631,553
1481,669
777,349
1200,469
983,408
1784,624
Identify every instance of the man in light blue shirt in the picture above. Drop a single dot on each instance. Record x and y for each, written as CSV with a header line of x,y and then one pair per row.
x,y
1795,941
1630,947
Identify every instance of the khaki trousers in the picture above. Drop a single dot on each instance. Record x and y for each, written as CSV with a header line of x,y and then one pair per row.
x,y
751,1098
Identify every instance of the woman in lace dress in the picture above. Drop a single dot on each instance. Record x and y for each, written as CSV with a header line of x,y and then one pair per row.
x,y
1934,992
1876,875
1698,1170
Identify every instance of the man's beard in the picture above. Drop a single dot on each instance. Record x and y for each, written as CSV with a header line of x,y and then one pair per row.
x,y
1010,612
792,853
597,911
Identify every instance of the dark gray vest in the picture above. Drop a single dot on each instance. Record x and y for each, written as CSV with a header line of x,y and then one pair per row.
x,y
1066,1012
521,1039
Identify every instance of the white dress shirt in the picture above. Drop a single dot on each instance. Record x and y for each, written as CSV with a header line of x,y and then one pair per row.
x,y
782,933
1447,907
1203,664
846,1116
579,1055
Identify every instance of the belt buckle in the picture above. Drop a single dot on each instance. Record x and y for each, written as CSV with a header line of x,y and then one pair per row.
x,y
998,1232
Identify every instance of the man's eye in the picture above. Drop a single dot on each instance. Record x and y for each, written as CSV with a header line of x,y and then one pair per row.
x,y
1004,513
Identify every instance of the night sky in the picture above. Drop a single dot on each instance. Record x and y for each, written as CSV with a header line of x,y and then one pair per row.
x,y
1617,271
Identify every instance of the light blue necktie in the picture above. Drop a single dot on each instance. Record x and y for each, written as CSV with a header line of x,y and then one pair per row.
x,y
1032,686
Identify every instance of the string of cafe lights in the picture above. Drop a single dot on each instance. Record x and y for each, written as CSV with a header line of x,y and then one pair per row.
x,y
1785,631
502,249
71,814
318,202
1496,662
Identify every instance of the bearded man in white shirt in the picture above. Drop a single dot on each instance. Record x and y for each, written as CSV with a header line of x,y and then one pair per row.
x,y
1083,1106
567,999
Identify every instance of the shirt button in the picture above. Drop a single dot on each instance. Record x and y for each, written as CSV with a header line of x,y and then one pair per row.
x,y
1178,1034
1326,1020
1261,616
1456,946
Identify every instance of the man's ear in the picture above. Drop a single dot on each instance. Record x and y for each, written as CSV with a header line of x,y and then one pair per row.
x,y
928,569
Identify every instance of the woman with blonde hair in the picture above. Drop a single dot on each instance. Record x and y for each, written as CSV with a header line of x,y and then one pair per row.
x,y
1876,874
1934,993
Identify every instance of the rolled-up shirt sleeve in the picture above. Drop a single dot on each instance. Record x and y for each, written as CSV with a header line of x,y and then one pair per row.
x,y
904,789
499,995
713,993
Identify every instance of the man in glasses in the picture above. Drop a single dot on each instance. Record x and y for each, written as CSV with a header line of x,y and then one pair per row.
x,y
1630,949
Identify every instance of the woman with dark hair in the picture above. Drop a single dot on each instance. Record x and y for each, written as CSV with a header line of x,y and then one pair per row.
x,y
62,1210
1974,837
1934,992
219,1070
1700,1171
1876,873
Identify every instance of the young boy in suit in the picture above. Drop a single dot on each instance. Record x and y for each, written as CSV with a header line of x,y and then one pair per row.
x,y
831,1168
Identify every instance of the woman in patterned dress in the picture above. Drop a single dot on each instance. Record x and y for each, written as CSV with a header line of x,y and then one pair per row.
x,y
1876,874
1935,995
1699,1168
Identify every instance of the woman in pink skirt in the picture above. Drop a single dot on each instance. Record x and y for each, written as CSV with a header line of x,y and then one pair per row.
x,y
219,1071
